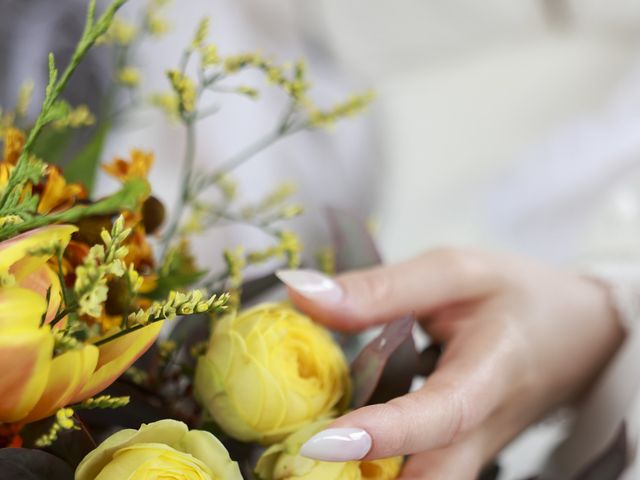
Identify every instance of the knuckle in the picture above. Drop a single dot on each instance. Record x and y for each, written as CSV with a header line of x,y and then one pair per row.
x,y
398,439
460,417
462,264
370,290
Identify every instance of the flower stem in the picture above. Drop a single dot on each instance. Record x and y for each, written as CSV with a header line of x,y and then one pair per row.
x,y
185,182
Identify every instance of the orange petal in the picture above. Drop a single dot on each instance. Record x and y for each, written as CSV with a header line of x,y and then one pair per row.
x,y
20,308
118,355
25,356
70,372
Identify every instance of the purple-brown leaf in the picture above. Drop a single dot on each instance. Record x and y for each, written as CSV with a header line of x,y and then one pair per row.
x,y
28,464
386,366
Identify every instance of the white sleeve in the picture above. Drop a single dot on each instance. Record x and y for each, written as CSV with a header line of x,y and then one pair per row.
x,y
614,398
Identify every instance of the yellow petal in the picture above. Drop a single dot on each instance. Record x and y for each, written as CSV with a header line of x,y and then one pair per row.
x,y
25,356
70,372
40,281
20,308
162,431
14,252
118,355
208,449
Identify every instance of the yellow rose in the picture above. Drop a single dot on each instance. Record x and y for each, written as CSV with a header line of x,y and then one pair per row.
x,y
269,371
282,462
164,449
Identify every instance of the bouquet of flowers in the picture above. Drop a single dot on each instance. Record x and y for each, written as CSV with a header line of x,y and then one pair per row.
x,y
91,388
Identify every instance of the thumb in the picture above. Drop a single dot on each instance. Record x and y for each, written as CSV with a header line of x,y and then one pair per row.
x,y
357,300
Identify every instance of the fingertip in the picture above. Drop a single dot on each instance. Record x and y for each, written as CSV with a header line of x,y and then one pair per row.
x,y
319,296
312,285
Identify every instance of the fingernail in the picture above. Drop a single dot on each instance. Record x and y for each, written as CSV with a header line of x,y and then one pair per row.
x,y
337,445
311,284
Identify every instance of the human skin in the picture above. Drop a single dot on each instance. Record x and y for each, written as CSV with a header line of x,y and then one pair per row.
x,y
520,339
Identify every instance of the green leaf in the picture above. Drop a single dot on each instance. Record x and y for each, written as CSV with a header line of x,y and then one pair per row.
x,y
52,144
127,198
175,281
59,110
84,166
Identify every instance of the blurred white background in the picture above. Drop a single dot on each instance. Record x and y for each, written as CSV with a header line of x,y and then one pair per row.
x,y
498,124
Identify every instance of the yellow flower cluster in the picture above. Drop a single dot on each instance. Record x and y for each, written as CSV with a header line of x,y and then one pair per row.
x,y
101,262
77,117
178,303
184,88
236,261
104,401
121,32
63,421
288,247
129,76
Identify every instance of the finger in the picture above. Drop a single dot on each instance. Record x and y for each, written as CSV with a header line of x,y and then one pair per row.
x,y
466,458
460,461
359,299
475,375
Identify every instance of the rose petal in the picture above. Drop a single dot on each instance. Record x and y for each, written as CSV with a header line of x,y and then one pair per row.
x,y
163,431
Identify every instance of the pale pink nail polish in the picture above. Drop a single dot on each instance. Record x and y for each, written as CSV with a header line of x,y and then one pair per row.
x,y
312,284
337,445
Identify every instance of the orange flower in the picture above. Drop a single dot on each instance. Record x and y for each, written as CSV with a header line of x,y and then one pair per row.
x,y
57,194
137,167
13,144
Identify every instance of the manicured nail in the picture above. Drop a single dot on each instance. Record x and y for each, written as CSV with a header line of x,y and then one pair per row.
x,y
311,284
337,445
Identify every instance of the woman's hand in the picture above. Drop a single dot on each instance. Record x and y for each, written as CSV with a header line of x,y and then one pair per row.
x,y
519,339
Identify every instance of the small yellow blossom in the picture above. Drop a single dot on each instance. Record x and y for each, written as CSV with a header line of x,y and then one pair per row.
x,y
210,56
168,102
349,108
80,116
63,421
236,261
104,401
156,24
13,144
120,32
129,77
201,34
24,98
184,88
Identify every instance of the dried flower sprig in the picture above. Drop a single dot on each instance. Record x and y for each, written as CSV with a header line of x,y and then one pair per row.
x,y
103,402
63,420
102,261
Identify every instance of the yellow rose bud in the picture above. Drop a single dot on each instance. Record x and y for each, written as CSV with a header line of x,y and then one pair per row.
x,y
156,450
282,462
270,370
